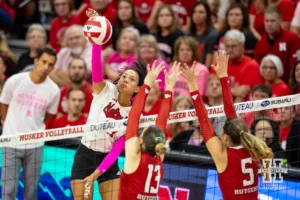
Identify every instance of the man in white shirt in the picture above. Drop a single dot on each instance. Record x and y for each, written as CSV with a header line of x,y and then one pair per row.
x,y
27,100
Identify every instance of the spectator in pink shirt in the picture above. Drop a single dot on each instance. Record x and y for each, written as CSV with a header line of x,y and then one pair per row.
x,y
147,51
186,51
125,54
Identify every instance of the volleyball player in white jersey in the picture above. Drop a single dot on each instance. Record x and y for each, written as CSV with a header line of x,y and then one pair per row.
x,y
110,102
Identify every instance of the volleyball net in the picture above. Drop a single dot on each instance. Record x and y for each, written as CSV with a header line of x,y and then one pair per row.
x,y
189,169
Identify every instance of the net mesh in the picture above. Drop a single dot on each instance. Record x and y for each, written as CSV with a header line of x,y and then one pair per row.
x,y
190,172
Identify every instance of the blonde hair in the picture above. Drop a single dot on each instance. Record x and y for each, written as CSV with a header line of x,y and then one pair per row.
x,y
176,126
189,41
238,134
132,30
149,39
161,148
37,27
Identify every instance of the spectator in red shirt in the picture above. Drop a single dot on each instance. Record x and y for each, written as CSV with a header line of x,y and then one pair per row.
x,y
103,8
65,18
144,8
126,17
75,46
256,14
259,92
286,117
278,41
289,134
271,70
77,71
241,69
74,117
295,85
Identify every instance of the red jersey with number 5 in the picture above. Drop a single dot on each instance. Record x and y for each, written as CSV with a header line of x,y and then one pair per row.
x,y
144,182
240,179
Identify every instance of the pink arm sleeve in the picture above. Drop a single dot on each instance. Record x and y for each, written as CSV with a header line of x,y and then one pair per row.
x,y
97,69
113,155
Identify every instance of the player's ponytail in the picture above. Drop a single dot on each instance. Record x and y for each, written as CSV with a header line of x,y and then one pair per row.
x,y
153,141
238,133
258,148
161,149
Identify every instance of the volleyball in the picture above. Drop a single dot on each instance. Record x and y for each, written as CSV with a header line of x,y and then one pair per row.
x,y
97,30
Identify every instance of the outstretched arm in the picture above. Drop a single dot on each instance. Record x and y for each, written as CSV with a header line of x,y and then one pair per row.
x,y
97,68
221,70
132,143
212,142
165,107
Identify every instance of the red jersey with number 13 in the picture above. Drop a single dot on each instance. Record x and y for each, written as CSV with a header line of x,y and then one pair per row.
x,y
239,181
144,182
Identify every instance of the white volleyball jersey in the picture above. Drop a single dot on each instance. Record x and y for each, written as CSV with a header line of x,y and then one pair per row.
x,y
105,107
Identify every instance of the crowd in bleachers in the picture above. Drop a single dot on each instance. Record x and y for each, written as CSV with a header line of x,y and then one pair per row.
x,y
262,39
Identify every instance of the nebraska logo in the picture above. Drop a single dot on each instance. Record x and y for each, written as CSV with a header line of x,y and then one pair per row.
x,y
164,193
113,113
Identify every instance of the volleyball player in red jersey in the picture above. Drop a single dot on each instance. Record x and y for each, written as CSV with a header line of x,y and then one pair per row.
x,y
143,169
237,153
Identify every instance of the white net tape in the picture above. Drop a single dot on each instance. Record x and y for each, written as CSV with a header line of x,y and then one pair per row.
x,y
180,116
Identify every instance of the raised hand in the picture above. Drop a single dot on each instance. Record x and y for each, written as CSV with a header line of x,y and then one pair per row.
x,y
152,74
189,73
222,64
171,79
91,13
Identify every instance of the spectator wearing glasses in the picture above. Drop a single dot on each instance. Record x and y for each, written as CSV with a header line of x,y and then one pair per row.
x,y
268,130
277,41
65,18
36,38
237,19
241,68
271,70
